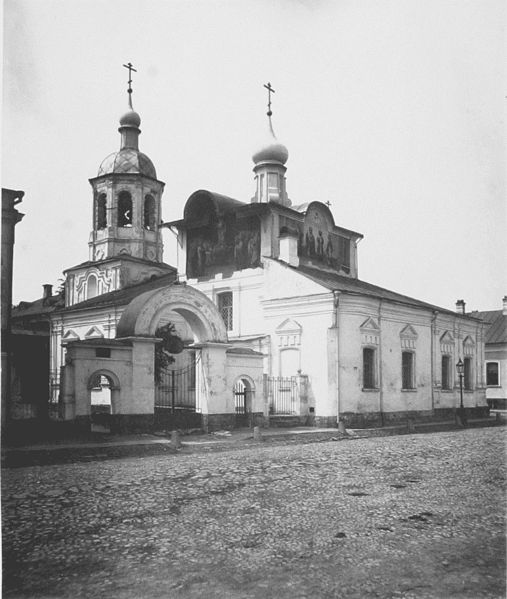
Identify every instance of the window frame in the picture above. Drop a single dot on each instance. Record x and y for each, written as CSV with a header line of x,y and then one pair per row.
x,y
101,212
498,381
468,374
122,208
149,213
412,385
373,375
448,383
230,315
94,277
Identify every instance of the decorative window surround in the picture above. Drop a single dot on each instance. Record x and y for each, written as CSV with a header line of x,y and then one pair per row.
x,y
408,337
468,346
70,335
370,332
447,344
289,333
94,333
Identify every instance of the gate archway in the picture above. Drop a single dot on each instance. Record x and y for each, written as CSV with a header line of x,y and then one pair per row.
x,y
243,391
143,315
103,389
186,388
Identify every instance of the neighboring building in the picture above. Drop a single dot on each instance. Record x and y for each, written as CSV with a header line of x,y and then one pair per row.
x,y
495,354
30,381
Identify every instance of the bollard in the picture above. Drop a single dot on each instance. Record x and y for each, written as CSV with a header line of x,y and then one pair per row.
x,y
175,439
257,435
341,428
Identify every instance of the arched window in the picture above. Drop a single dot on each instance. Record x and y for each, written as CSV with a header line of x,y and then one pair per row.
x,y
101,214
125,209
149,213
91,287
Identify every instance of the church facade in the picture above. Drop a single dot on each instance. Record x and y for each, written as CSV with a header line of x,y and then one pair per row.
x,y
267,302
285,279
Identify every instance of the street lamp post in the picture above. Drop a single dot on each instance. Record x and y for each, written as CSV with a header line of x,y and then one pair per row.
x,y
460,367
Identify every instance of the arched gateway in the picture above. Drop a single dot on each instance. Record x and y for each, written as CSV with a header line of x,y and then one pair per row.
x,y
144,314
131,358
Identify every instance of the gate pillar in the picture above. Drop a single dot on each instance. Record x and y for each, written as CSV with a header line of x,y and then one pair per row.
x,y
215,400
68,397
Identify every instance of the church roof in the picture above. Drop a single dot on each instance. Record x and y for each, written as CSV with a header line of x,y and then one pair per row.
x,y
496,320
123,258
122,297
334,281
41,306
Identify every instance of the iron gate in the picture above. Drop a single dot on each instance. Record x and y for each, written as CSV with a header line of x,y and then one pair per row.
x,y
283,394
176,389
242,402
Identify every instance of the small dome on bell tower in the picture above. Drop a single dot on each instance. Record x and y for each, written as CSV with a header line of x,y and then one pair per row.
x,y
270,167
127,198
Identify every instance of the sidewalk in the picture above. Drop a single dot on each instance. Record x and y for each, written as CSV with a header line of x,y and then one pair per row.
x,y
239,437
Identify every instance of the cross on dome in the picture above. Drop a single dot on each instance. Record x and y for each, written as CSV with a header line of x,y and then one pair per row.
x,y
270,91
130,67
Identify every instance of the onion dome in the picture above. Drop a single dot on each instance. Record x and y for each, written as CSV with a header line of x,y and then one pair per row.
x,y
127,160
272,150
130,119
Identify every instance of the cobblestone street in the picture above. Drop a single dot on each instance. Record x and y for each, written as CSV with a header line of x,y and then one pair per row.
x,y
399,516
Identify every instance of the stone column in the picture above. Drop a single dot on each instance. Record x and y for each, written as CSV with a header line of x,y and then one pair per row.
x,y
10,216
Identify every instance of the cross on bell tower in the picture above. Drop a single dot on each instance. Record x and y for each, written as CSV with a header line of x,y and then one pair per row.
x,y
130,67
270,91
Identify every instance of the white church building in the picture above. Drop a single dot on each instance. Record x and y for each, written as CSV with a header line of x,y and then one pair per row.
x,y
285,279
266,297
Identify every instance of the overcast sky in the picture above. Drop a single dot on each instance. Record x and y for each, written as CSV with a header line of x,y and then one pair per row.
x,y
391,110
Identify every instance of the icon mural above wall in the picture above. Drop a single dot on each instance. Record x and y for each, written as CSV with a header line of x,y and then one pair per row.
x,y
217,239
319,243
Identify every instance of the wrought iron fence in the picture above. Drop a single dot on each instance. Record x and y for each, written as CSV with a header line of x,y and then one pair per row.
x,y
176,389
283,394
241,397
54,394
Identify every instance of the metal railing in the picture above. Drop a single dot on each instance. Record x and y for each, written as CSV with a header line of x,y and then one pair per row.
x,y
283,394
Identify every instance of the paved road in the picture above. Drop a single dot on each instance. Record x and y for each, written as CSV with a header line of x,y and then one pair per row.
x,y
414,516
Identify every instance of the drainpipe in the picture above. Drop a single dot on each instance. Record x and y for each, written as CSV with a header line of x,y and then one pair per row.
x,y
336,303
432,360
381,395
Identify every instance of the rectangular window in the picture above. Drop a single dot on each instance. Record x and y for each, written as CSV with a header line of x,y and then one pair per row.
x,y
467,374
344,252
368,368
446,373
224,302
407,370
272,180
103,352
492,378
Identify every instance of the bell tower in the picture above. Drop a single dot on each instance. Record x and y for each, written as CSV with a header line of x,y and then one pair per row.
x,y
127,198
125,245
